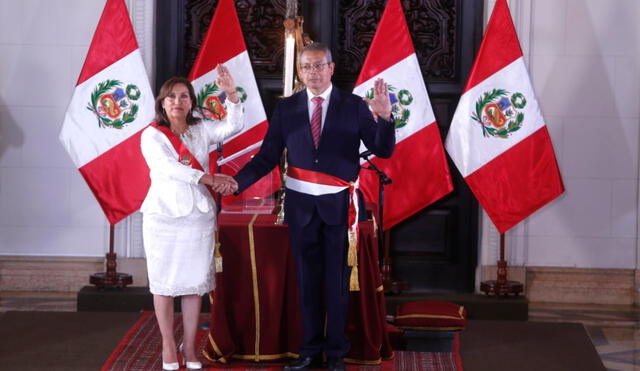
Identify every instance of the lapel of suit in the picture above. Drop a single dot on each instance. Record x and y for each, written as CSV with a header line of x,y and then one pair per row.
x,y
332,115
302,116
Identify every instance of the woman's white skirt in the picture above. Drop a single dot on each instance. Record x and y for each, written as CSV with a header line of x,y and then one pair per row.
x,y
179,253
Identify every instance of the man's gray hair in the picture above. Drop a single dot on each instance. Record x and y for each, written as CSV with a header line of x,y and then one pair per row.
x,y
316,47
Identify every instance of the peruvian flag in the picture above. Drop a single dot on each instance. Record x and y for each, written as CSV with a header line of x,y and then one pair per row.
x,y
498,138
111,104
418,166
224,44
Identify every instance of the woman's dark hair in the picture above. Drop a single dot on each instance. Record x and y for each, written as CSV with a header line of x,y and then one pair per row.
x,y
161,116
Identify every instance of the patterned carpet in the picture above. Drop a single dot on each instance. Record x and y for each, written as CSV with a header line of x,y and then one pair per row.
x,y
140,349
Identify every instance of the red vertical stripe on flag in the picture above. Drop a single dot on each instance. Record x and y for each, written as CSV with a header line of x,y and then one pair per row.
x,y
115,31
501,41
418,166
519,181
119,178
227,40
416,184
389,47
224,41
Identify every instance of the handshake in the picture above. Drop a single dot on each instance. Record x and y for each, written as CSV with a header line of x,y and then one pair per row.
x,y
224,184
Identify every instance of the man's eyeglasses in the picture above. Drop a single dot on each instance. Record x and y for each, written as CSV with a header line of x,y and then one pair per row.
x,y
313,67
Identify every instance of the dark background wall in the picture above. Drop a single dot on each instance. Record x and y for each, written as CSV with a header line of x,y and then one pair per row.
x,y
435,250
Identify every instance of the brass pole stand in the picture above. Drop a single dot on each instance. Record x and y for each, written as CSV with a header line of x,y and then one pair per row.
x,y
111,278
502,286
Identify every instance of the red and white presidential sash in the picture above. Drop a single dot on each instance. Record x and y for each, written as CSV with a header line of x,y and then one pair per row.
x,y
184,155
316,183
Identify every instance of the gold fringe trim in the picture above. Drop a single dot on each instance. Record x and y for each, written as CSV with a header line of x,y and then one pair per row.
x,y
218,254
354,285
216,349
426,316
459,328
205,354
264,357
460,315
352,261
363,362
254,275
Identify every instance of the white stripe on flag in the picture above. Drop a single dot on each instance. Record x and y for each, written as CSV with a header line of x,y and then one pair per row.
x,y
82,135
402,76
465,135
240,68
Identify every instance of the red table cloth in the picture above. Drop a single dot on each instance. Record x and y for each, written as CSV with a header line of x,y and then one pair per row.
x,y
255,312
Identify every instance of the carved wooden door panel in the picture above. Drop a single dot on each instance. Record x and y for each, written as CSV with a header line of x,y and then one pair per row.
x,y
436,249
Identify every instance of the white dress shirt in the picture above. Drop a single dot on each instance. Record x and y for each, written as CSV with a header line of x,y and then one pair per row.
x,y
326,95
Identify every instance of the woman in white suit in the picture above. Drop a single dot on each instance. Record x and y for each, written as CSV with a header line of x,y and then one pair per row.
x,y
179,210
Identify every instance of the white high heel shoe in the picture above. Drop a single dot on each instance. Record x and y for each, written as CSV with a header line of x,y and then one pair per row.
x,y
190,365
170,366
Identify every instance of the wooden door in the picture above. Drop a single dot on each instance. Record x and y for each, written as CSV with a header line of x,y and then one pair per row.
x,y
435,250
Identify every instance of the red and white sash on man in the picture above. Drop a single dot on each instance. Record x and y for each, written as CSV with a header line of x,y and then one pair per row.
x,y
316,183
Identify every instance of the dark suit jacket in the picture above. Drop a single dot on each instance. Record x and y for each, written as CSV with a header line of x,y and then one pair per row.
x,y
348,121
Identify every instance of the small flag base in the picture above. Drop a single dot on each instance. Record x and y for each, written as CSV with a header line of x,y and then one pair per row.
x,y
501,289
103,280
502,286
111,278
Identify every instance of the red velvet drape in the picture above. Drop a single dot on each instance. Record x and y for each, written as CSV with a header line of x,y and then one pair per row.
x,y
255,312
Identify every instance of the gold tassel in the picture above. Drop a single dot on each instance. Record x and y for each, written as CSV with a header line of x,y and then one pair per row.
x,y
352,261
354,285
218,255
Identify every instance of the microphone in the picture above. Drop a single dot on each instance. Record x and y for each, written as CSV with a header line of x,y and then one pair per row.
x,y
366,154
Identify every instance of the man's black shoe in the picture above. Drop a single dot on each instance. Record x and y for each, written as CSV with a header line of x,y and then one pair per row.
x,y
336,364
304,363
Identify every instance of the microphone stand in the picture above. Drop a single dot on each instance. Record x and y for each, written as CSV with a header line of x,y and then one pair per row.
x,y
388,282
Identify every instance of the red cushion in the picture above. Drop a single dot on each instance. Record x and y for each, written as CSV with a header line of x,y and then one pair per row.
x,y
431,315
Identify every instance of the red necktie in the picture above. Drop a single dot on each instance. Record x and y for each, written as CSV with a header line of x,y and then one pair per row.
x,y
316,120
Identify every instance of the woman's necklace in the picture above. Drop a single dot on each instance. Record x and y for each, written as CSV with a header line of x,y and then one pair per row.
x,y
181,131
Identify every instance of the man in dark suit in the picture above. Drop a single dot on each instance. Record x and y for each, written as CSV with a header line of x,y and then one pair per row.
x,y
322,137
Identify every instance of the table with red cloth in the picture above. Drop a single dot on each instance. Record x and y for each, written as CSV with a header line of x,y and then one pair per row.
x,y
255,313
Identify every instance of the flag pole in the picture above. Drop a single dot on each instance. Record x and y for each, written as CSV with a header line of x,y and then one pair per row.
x,y
111,278
501,286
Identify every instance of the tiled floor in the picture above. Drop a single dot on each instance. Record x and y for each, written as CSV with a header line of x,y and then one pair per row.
x,y
614,330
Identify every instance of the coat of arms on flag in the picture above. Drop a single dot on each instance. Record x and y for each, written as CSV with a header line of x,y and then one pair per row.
x,y
509,162
498,112
224,44
399,102
418,166
113,105
112,89
211,99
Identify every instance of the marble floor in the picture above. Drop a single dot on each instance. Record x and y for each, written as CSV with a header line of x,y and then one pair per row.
x,y
614,330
